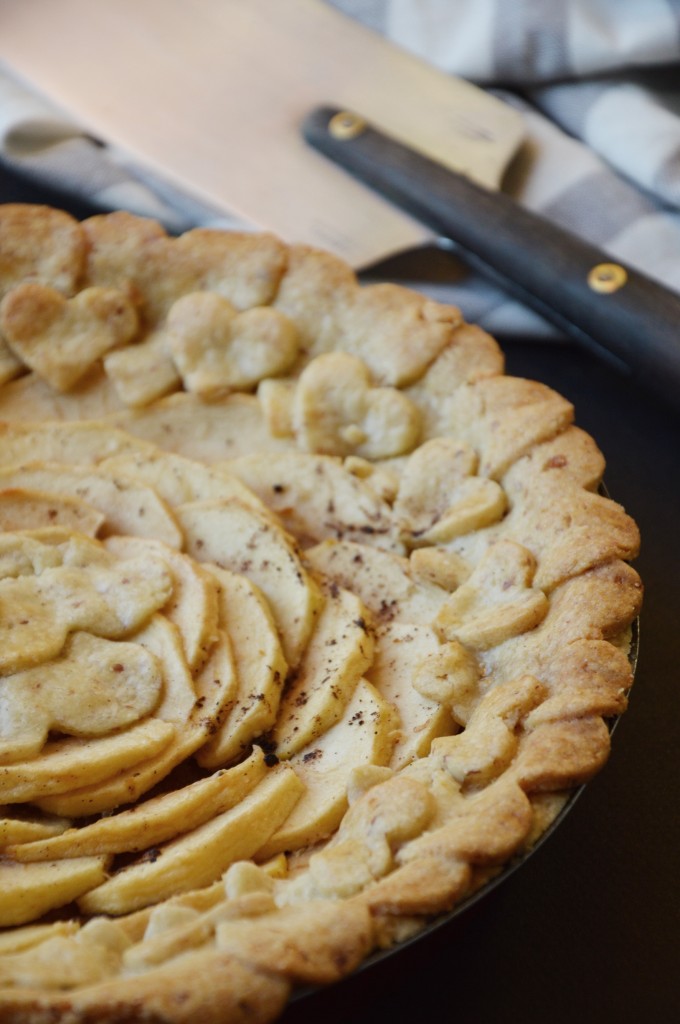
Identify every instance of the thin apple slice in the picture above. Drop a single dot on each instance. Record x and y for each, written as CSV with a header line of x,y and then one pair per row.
x,y
129,507
400,652
260,668
339,652
23,508
162,639
69,443
179,480
64,764
27,891
153,822
201,856
365,735
383,580
28,828
317,497
238,538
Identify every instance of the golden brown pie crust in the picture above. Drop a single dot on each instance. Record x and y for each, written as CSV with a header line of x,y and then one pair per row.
x,y
382,609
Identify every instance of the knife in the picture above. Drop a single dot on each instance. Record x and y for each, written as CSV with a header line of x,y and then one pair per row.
x,y
605,305
209,97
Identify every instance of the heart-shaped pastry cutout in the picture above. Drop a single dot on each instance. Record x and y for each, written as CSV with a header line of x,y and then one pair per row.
x,y
337,411
61,339
94,687
440,497
137,253
41,245
217,349
497,602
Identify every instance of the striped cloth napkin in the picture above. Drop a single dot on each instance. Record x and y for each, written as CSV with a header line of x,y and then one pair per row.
x,y
597,82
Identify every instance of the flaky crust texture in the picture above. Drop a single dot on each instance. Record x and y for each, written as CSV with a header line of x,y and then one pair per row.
x,y
311,617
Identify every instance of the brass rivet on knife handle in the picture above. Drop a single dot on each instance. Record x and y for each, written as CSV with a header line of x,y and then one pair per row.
x,y
346,125
607,277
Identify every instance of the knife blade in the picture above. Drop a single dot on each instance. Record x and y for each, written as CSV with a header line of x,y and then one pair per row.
x,y
609,307
209,94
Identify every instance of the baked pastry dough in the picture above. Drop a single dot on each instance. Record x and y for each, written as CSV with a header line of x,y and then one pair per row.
x,y
311,618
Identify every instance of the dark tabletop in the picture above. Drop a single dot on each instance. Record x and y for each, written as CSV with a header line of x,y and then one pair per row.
x,y
587,930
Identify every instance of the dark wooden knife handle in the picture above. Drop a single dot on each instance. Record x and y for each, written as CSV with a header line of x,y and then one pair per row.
x,y
599,301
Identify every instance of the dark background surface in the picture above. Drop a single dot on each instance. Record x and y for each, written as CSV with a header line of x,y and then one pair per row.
x,y
588,929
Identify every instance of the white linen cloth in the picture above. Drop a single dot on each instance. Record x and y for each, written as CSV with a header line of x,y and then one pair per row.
x,y
597,82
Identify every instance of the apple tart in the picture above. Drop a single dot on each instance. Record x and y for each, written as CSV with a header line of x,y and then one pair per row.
x,y
311,618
